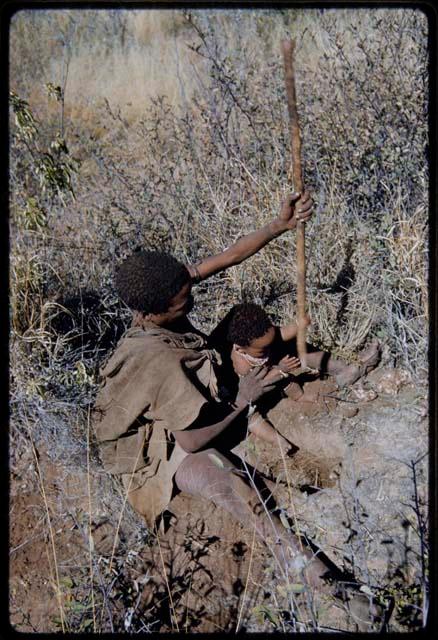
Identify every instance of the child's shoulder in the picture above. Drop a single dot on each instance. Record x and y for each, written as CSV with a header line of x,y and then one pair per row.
x,y
279,346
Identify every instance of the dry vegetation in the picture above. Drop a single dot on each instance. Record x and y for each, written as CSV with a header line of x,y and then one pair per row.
x,y
172,133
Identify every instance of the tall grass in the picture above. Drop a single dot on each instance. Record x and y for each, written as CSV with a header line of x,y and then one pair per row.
x,y
176,134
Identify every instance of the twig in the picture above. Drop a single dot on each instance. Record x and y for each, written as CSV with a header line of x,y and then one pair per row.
x,y
329,395
187,600
90,534
422,541
125,499
289,488
247,579
174,618
52,538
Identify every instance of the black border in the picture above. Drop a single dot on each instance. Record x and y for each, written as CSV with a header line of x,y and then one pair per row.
x,y
7,9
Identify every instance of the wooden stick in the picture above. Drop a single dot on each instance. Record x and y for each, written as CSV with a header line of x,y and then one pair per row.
x,y
288,47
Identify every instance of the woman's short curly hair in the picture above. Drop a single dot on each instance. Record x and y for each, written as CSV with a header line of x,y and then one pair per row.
x,y
147,280
248,322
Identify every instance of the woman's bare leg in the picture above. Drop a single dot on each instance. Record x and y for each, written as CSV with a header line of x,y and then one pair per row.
x,y
199,475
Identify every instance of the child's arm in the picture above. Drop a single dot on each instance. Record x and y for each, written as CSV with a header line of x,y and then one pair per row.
x,y
295,207
286,366
290,331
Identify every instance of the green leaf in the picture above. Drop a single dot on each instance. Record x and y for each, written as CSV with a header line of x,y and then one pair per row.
x,y
88,622
285,589
67,582
78,607
262,612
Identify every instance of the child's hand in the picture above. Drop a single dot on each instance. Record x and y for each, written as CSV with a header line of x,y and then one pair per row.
x,y
289,364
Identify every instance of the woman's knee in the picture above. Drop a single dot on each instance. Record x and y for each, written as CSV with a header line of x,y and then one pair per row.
x,y
200,470
186,473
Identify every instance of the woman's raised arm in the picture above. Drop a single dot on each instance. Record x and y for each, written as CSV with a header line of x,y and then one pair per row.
x,y
294,208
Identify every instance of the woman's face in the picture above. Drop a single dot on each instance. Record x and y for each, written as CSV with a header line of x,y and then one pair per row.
x,y
180,305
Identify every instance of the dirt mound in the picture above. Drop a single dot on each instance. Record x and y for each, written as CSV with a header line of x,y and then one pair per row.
x,y
351,486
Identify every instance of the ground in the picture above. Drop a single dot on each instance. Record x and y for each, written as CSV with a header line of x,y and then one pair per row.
x,y
356,487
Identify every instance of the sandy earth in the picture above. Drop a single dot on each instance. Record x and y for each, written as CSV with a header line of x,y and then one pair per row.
x,y
349,488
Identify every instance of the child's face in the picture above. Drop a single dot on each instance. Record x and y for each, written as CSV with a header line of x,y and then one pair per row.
x,y
261,347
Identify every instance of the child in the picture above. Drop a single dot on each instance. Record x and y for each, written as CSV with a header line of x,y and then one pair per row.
x,y
247,338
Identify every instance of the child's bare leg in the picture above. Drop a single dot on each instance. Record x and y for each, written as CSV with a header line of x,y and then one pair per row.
x,y
264,430
345,373
294,391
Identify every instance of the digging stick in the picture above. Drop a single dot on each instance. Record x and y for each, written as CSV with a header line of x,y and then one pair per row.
x,y
297,176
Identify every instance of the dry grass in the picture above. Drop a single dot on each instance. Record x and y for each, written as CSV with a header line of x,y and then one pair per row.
x,y
182,144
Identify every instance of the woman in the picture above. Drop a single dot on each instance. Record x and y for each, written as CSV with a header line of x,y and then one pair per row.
x,y
161,421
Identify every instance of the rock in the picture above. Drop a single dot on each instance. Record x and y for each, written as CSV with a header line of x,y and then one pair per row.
x,y
423,410
317,390
365,395
389,381
348,410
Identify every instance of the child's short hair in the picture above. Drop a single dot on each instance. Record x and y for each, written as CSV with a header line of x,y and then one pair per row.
x,y
248,322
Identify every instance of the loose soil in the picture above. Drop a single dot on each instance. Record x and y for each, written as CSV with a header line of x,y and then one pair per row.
x,y
349,488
